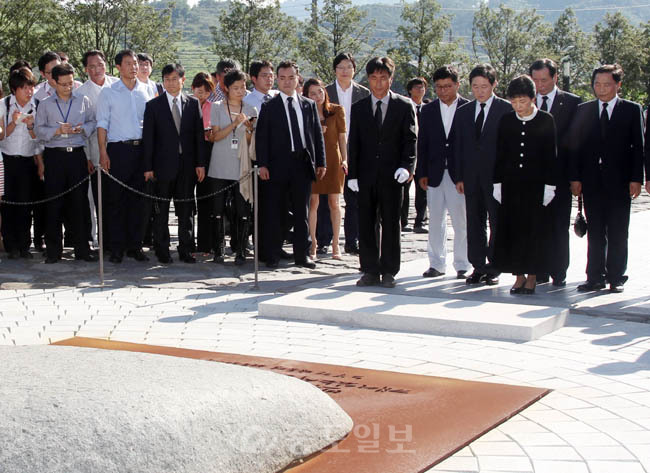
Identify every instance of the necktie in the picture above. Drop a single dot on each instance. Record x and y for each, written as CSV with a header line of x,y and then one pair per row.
x,y
479,122
418,109
544,106
295,129
378,117
176,114
604,121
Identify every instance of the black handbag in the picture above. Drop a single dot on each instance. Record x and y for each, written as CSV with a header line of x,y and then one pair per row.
x,y
580,224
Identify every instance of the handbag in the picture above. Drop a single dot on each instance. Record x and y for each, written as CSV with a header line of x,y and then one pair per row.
x,y
580,224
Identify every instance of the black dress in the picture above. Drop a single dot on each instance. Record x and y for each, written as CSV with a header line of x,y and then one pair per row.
x,y
526,161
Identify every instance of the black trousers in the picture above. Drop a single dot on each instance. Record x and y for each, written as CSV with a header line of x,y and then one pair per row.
x,y
420,204
180,188
205,230
20,186
63,170
560,208
296,184
351,219
480,207
608,218
125,209
39,211
380,201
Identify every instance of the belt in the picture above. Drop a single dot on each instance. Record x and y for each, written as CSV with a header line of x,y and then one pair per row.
x,y
68,149
131,142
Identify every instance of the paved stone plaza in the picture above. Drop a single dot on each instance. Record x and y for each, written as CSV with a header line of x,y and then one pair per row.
x,y
596,420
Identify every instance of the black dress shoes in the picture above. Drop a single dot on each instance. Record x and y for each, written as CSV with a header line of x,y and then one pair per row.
x,y
352,249
420,229
115,258
272,264
165,258
88,257
186,258
616,287
432,273
14,254
137,255
461,274
559,282
322,250
388,280
542,279
406,228
368,280
26,254
591,286
285,255
491,280
475,278
51,260
306,263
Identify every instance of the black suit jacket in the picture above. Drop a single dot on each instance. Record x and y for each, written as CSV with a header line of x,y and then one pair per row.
x,y
160,138
615,161
474,159
563,111
435,148
358,92
273,140
373,152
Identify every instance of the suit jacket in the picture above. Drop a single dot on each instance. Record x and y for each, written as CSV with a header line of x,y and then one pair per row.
x,y
376,153
273,140
435,148
615,161
563,111
161,140
474,159
358,92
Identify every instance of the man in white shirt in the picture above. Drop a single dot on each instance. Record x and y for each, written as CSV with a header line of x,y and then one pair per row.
x,y
145,68
262,76
94,63
46,63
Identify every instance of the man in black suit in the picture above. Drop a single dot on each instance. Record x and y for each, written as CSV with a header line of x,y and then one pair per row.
x,y
435,174
562,105
606,166
381,156
476,127
291,155
173,159
343,91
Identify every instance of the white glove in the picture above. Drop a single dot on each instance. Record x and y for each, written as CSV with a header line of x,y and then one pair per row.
x,y
549,193
353,185
401,175
496,192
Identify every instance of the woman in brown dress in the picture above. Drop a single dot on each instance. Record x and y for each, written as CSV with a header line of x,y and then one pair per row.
x,y
332,118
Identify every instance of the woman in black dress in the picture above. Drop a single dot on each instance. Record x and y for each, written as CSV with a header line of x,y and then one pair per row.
x,y
524,185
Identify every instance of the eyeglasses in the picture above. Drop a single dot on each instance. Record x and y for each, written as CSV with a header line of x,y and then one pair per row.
x,y
345,68
67,84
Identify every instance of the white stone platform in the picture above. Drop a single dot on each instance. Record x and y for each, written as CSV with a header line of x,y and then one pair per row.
x,y
452,317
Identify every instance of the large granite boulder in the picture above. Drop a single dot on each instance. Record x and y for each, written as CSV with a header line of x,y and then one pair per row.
x,y
78,410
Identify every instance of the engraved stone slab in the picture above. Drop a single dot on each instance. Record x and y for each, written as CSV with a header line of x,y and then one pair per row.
x,y
67,409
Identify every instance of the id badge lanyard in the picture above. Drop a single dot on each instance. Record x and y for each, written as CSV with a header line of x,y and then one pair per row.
x,y
234,142
65,117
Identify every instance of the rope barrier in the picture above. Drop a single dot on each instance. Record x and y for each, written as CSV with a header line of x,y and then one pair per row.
x,y
49,199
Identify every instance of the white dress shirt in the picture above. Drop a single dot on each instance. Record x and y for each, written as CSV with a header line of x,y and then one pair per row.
x,y
345,101
20,142
447,113
549,101
256,98
610,106
296,106
488,104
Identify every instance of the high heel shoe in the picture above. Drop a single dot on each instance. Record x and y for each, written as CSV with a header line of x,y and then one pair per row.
x,y
516,290
312,252
527,290
336,253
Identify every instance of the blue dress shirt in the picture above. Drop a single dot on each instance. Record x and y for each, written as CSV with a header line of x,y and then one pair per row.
x,y
120,111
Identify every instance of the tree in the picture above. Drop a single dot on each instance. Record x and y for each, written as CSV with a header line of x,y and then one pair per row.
x,y
340,27
253,29
112,25
570,45
511,40
617,40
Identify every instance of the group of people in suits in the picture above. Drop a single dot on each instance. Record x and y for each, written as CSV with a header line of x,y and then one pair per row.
x,y
503,170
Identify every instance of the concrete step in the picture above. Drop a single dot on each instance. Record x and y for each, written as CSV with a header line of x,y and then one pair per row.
x,y
452,317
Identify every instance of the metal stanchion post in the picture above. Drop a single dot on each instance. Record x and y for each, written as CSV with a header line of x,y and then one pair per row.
x,y
255,224
100,225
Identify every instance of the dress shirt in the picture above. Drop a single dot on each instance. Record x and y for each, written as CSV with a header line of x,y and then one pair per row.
x,y
54,110
549,101
217,95
151,85
447,113
120,111
256,98
92,91
488,104
345,101
610,106
296,106
170,99
384,106
43,91
20,142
